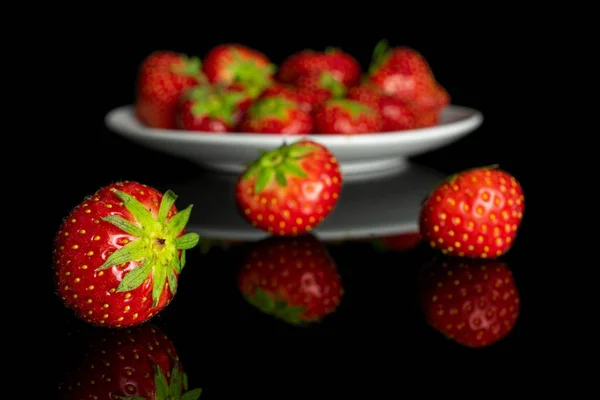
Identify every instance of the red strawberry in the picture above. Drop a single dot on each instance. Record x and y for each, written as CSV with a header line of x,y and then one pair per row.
x,y
473,302
234,63
401,242
306,97
345,116
162,78
212,109
404,73
276,114
291,189
135,363
331,63
396,114
475,213
119,253
293,279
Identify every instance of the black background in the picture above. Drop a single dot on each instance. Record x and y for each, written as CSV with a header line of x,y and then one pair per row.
x,y
487,62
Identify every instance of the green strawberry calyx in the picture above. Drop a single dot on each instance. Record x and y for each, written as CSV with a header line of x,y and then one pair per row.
x,y
353,107
380,55
277,165
214,103
278,308
272,107
335,87
156,246
253,77
176,389
190,66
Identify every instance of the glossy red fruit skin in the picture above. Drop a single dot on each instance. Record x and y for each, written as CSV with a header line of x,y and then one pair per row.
x,y
341,65
396,114
294,120
476,214
336,117
302,204
82,244
218,62
123,363
473,302
297,271
159,87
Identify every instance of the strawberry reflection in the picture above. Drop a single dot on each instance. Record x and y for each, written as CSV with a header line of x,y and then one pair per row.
x,y
291,278
134,364
399,242
473,302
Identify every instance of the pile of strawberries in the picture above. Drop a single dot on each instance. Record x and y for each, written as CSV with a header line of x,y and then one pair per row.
x,y
238,89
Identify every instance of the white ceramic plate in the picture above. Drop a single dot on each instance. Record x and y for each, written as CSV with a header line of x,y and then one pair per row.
x,y
358,154
367,208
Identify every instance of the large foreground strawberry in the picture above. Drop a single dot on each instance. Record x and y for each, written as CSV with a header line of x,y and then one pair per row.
x,y
119,253
162,78
293,279
289,190
139,363
473,302
475,213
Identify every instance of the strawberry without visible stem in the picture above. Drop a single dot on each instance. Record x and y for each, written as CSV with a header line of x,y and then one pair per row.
x,y
229,64
345,116
291,189
276,114
212,109
293,279
473,302
475,213
396,114
129,364
162,78
119,253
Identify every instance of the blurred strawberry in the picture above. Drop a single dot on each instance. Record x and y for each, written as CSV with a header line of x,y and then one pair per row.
x,y
235,63
345,116
212,109
162,78
293,279
396,114
329,64
306,97
276,114
404,73
473,302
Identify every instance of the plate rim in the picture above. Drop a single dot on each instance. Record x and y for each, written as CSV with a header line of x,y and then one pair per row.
x,y
474,118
